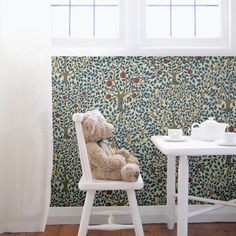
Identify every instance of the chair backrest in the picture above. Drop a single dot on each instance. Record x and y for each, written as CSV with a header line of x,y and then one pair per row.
x,y
78,118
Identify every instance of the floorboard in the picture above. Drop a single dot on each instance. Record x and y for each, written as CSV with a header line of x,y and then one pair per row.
x,y
206,229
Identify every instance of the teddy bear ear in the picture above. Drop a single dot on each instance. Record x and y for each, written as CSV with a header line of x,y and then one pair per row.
x,y
89,123
98,114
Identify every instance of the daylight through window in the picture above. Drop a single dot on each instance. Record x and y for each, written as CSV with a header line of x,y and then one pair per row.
x,y
85,18
183,18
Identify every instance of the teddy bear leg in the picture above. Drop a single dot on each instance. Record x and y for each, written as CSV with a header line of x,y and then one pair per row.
x,y
127,155
105,174
130,172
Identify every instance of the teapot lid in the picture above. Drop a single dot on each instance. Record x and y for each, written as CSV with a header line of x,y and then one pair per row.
x,y
211,120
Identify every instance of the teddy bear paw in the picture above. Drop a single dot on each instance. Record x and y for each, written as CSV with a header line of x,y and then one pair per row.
x,y
118,161
130,172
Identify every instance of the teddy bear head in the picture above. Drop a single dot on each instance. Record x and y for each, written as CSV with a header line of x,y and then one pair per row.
x,y
95,127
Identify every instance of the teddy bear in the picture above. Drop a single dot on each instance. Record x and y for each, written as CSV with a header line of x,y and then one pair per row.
x,y
106,162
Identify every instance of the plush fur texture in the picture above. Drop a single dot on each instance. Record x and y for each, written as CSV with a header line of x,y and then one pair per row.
x,y
105,161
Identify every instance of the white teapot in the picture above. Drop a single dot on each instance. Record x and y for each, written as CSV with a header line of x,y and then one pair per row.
x,y
210,130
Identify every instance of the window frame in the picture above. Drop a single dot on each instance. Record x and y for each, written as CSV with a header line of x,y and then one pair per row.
x,y
96,42
131,44
184,43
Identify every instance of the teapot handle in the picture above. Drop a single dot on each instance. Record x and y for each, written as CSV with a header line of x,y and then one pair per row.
x,y
195,125
229,128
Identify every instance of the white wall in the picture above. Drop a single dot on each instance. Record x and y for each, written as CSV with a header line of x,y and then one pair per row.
x,y
149,215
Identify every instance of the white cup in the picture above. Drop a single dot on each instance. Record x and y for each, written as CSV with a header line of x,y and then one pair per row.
x,y
229,137
175,133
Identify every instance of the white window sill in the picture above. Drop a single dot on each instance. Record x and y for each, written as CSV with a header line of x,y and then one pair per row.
x,y
122,51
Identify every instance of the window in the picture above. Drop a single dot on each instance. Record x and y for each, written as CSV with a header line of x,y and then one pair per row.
x,y
184,23
183,18
85,18
142,27
87,21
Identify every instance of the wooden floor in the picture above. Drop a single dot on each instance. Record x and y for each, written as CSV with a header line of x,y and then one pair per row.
x,y
214,229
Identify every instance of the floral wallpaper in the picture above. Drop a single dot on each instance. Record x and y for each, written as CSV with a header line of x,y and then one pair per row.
x,y
142,96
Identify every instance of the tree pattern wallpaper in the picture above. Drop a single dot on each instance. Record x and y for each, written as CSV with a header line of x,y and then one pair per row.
x,y
141,97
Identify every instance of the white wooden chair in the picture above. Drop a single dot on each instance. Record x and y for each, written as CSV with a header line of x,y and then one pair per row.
x,y
90,185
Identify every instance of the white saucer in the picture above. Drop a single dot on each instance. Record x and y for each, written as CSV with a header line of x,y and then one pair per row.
x,y
182,139
222,143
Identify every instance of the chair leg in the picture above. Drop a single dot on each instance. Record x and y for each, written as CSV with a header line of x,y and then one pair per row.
x,y
138,227
88,204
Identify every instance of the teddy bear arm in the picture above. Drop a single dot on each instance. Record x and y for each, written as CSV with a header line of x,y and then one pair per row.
x,y
127,155
124,152
99,158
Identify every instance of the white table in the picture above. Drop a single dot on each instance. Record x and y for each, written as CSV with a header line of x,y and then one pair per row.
x,y
185,150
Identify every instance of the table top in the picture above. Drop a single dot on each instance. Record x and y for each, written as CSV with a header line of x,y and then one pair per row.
x,y
191,147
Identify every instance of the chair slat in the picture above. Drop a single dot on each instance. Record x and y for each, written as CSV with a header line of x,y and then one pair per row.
x,y
110,227
107,213
82,147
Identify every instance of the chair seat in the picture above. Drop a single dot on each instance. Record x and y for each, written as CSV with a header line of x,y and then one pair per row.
x,y
97,184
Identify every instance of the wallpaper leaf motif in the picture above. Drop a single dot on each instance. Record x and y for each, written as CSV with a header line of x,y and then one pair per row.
x,y
142,96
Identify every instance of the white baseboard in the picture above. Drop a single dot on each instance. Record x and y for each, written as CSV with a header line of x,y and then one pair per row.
x,y
149,215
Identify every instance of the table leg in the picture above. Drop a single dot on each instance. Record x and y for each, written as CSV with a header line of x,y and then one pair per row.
x,y
182,210
170,191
